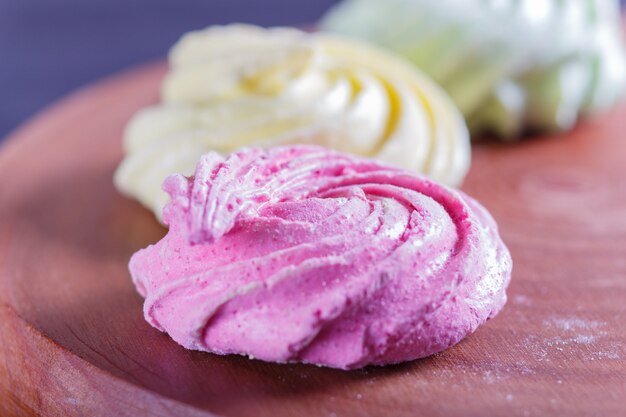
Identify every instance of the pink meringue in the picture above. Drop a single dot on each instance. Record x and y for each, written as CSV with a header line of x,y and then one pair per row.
x,y
303,254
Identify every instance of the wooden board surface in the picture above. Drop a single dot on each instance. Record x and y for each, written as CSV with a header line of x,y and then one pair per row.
x,y
73,340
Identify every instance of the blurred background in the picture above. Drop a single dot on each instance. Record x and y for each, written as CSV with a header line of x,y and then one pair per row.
x,y
51,47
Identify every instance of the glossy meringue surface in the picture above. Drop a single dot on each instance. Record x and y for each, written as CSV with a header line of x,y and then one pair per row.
x,y
299,253
240,85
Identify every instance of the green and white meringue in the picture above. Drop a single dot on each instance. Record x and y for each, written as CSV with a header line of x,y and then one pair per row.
x,y
510,65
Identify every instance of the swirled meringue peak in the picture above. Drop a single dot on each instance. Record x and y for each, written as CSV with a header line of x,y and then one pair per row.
x,y
240,85
302,254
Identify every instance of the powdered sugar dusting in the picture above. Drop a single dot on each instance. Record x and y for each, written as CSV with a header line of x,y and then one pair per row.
x,y
571,323
575,336
491,372
522,300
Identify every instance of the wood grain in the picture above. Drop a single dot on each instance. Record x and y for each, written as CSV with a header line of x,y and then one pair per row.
x,y
73,340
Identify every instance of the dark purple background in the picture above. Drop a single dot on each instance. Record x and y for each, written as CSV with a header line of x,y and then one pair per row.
x,y
51,47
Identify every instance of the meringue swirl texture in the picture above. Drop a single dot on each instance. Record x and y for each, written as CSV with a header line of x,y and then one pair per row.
x,y
510,65
239,85
299,253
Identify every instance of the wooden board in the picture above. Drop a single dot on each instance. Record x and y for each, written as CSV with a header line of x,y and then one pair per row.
x,y
74,342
